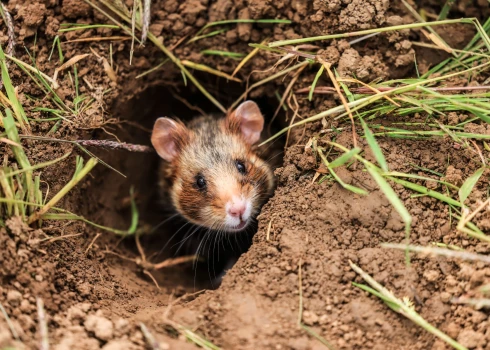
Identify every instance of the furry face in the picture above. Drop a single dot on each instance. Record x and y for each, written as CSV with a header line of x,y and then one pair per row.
x,y
218,181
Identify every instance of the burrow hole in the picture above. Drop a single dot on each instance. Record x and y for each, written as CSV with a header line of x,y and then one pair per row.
x,y
111,191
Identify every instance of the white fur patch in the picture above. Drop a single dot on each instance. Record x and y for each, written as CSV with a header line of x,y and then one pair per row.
x,y
232,222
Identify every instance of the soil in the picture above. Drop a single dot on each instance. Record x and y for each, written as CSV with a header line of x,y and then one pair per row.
x,y
95,296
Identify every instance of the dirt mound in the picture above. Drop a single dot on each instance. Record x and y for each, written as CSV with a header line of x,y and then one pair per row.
x,y
97,292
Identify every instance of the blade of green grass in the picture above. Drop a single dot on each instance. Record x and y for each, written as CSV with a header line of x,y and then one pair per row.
x,y
425,191
413,176
80,172
404,308
39,165
207,69
344,158
223,53
19,154
349,187
77,26
208,35
7,83
266,80
315,81
436,251
159,45
71,216
369,31
378,154
236,21
468,185
445,10
391,196
57,43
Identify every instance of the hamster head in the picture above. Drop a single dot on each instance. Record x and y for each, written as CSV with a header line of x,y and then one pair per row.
x,y
217,180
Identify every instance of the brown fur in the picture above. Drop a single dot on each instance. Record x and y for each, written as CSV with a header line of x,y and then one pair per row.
x,y
211,148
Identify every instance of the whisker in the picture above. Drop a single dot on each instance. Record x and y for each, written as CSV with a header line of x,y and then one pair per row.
x,y
163,222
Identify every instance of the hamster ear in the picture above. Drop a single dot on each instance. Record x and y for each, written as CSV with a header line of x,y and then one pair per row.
x,y
249,120
167,137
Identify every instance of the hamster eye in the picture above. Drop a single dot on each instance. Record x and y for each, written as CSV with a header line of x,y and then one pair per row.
x,y
241,167
200,182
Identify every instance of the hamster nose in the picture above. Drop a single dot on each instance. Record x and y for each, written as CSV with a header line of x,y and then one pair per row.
x,y
237,209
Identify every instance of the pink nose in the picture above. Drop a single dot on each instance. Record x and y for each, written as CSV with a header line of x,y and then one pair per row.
x,y
237,209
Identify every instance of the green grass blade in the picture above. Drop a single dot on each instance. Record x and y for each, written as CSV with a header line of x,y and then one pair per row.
x,y
75,217
374,292
468,185
80,172
208,35
390,195
426,191
134,214
236,21
445,10
223,53
344,158
159,45
373,144
317,76
317,336
351,188
20,155
12,96
39,165
413,176
369,31
405,308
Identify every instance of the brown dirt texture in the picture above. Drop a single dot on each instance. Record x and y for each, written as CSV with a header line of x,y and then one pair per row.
x,y
94,289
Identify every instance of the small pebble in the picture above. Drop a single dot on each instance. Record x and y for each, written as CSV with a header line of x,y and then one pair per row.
x,y
100,326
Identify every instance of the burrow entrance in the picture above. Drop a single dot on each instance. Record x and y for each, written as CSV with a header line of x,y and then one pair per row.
x,y
111,190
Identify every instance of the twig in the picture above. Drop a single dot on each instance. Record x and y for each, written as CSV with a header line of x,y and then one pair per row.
x,y
72,183
362,38
116,145
10,33
174,261
10,30
405,307
103,38
150,339
440,251
147,266
342,98
59,238
365,32
298,53
286,93
146,21
300,290
96,143
296,110
478,303
152,278
247,58
268,233
43,326
466,219
361,90
92,243
9,323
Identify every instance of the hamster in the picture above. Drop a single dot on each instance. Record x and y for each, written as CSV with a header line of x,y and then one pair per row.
x,y
211,170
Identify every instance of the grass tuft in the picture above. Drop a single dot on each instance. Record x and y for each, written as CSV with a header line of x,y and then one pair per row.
x,y
122,13
403,307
